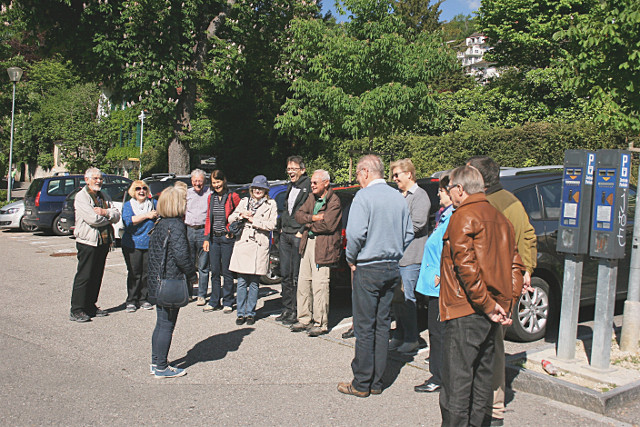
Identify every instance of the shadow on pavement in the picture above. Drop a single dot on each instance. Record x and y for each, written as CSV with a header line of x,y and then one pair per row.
x,y
213,348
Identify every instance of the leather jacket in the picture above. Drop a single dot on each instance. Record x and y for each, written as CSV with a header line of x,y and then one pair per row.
x,y
480,263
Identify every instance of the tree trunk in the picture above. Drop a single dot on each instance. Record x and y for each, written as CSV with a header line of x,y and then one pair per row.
x,y
178,149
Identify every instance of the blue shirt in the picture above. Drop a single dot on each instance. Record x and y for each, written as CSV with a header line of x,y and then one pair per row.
x,y
135,236
379,227
430,267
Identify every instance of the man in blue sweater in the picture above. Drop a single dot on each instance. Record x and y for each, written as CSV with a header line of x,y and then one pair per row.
x,y
378,232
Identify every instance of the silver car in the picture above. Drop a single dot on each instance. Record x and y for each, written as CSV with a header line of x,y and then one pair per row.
x,y
11,216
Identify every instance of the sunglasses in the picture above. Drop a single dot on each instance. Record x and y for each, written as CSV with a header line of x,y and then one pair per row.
x,y
141,188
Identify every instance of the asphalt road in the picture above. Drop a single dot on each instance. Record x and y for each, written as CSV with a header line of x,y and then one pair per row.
x,y
61,372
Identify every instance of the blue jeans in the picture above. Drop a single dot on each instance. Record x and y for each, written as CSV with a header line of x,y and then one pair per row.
x,y
405,312
220,251
289,247
467,370
372,292
162,334
247,298
200,258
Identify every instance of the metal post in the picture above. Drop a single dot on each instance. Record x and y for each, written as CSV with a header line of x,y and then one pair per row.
x,y
605,304
631,317
572,284
141,117
13,107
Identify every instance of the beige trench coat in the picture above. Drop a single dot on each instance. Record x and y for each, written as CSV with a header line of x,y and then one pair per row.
x,y
251,250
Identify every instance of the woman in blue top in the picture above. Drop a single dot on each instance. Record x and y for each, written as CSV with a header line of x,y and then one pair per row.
x,y
429,284
138,216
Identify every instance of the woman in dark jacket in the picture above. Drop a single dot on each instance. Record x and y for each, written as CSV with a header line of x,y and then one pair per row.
x,y
138,215
219,243
171,208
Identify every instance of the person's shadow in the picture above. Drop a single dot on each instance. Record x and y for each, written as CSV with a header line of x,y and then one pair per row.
x,y
213,348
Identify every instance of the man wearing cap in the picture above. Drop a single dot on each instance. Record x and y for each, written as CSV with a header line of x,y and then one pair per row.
x,y
195,218
290,234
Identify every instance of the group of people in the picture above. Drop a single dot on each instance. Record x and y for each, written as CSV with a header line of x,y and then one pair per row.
x,y
472,266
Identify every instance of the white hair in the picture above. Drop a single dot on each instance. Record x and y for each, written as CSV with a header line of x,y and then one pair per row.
x,y
324,175
198,172
91,172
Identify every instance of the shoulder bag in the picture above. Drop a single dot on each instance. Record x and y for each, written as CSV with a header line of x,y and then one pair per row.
x,y
172,293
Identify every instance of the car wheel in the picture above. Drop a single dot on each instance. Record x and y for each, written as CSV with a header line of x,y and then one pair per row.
x,y
25,227
57,228
533,312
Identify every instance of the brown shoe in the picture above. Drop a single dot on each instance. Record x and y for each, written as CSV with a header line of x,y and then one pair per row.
x,y
347,388
300,327
376,391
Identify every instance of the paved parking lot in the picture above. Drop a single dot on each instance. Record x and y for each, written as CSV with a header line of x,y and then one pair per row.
x,y
62,372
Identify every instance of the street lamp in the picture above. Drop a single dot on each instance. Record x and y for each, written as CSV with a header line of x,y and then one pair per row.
x,y
142,116
14,75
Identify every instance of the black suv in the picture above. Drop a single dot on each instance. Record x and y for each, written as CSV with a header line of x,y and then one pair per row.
x,y
45,197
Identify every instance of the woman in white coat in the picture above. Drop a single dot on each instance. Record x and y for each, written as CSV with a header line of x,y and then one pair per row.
x,y
250,258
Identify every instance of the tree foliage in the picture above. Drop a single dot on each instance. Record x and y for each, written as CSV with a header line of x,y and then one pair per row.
x,y
604,60
419,15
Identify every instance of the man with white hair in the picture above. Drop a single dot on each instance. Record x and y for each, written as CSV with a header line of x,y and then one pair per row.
x,y
195,218
94,235
378,232
321,217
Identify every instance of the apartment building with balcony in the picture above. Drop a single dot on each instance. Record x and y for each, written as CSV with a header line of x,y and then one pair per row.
x,y
471,56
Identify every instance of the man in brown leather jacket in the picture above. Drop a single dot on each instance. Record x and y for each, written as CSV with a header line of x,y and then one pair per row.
x,y
481,277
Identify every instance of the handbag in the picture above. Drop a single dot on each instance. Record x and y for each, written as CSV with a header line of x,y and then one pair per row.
x,y
172,293
236,227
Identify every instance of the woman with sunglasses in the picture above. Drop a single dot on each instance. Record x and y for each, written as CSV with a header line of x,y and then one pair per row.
x,y
138,216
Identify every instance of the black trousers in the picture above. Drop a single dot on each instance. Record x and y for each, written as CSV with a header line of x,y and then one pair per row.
x,y
436,332
137,261
86,284
289,247
467,370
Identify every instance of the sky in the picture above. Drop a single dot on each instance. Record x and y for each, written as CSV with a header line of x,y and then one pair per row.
x,y
450,8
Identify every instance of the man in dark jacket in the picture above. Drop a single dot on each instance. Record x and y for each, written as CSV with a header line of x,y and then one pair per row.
x,y
481,277
290,234
321,217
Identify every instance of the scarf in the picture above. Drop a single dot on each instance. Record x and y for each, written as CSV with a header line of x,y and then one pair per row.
x,y
254,204
141,208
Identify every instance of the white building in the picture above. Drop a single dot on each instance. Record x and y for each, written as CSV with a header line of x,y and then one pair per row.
x,y
472,58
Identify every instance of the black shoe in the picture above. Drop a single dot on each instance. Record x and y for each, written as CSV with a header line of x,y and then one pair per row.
x,y
101,313
492,422
240,320
426,387
79,317
250,320
282,316
291,320
348,334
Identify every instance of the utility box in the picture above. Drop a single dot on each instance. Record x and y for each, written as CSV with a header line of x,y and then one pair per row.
x,y
610,204
577,189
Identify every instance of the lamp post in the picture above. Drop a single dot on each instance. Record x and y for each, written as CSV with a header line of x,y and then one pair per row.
x,y
142,116
14,75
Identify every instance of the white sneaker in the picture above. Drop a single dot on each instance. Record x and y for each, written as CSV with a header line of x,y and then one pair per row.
x,y
201,301
227,309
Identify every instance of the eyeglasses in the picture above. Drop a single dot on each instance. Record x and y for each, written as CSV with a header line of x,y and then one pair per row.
x,y
395,175
316,182
293,169
449,187
141,188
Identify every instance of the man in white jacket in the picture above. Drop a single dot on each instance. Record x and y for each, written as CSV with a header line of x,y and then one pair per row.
x,y
94,235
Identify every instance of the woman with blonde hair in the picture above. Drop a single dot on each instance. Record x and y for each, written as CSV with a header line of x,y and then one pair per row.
x,y
138,216
170,229
250,258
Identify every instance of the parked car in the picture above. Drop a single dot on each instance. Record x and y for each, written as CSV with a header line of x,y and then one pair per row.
x,y
12,215
117,194
159,181
45,197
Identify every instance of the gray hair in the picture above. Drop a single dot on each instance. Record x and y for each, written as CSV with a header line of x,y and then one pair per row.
x,y
373,164
470,179
91,172
323,174
198,172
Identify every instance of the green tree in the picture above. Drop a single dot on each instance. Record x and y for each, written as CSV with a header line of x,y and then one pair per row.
x,y
362,79
419,15
460,27
604,60
521,31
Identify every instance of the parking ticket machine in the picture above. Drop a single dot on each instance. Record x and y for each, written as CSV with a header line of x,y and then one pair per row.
x,y
610,204
577,188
